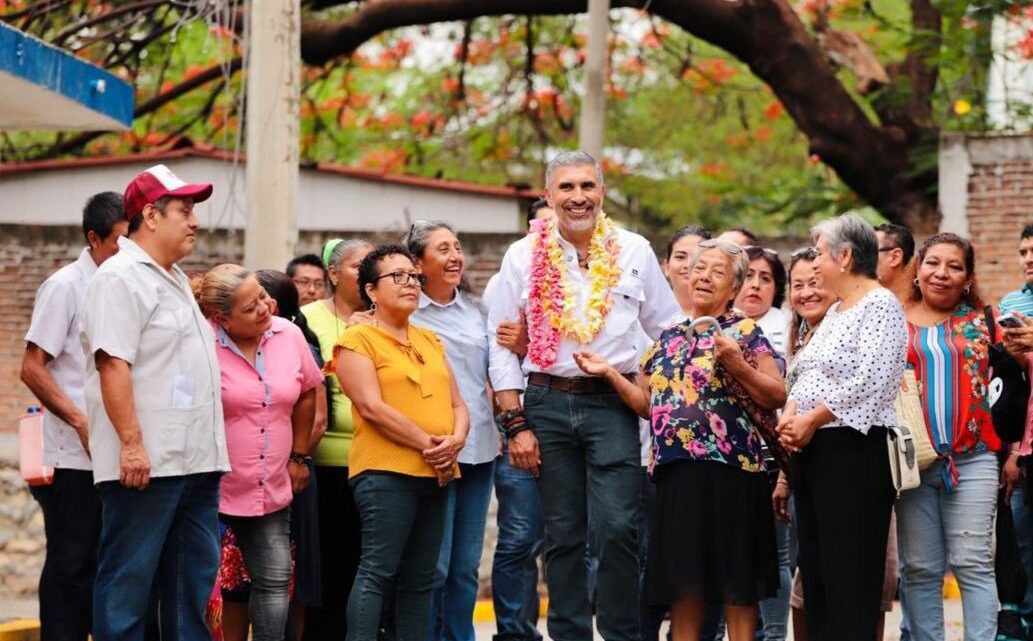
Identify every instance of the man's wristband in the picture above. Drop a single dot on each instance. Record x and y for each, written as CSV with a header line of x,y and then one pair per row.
x,y
302,459
516,429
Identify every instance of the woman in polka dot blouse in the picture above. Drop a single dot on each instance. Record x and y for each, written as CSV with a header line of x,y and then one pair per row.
x,y
846,380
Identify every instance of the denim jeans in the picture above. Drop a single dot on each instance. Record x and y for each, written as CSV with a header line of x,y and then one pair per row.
x,y
941,529
774,612
402,522
589,449
339,549
265,543
71,520
514,569
1024,532
455,581
168,535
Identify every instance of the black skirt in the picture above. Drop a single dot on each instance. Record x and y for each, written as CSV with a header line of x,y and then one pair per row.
x,y
712,534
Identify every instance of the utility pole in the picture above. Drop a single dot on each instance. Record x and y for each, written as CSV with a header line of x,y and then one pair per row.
x,y
273,90
593,104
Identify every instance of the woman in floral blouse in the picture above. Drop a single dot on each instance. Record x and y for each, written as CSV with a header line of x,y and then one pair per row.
x,y
948,521
712,527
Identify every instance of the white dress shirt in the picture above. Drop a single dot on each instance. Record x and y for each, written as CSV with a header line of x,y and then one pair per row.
x,y
853,363
642,296
461,326
55,330
775,325
136,311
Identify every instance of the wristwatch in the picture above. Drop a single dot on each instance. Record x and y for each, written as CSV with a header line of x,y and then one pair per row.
x,y
303,459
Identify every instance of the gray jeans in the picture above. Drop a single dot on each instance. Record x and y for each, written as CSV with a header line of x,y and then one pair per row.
x,y
589,447
264,542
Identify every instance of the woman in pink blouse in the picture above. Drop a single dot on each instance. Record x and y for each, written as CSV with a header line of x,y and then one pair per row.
x,y
268,395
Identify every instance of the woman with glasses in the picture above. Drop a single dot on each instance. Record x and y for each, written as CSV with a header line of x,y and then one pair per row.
x,y
844,384
712,538
461,324
338,516
410,425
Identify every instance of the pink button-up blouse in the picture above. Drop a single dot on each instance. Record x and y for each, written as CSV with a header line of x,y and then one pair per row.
x,y
257,402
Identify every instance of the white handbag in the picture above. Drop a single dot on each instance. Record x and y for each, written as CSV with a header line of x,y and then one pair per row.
x,y
904,471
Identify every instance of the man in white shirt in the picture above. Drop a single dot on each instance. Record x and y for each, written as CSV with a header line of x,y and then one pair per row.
x,y
52,367
596,283
156,424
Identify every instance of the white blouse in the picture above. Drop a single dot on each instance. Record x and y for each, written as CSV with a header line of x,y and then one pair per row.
x,y
854,362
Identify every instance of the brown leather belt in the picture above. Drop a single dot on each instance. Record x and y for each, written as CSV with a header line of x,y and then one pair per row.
x,y
574,384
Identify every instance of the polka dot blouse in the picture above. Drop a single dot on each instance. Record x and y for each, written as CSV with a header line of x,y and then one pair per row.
x,y
854,362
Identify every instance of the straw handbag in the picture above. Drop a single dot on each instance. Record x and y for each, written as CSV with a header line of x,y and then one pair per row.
x,y
910,414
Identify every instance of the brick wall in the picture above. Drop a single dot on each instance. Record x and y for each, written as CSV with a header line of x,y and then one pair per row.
x,y
28,254
986,193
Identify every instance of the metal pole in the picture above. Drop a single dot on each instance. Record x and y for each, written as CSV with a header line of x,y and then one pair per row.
x,y
593,105
273,90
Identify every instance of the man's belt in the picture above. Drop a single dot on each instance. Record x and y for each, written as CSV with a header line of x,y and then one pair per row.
x,y
573,384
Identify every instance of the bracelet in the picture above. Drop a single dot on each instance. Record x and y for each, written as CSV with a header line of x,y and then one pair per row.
x,y
1014,453
510,418
782,481
522,427
301,459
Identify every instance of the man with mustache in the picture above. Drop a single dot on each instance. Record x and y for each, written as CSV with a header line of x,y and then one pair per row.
x,y
156,424
584,285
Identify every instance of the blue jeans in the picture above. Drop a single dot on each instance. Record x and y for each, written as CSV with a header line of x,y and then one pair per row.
x,y
514,569
1024,532
402,522
455,582
168,535
774,612
265,543
937,529
589,449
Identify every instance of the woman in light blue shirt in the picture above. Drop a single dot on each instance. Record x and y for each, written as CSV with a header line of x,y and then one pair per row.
x,y
459,320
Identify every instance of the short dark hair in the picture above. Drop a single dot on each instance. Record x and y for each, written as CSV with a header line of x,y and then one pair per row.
x,y
903,238
532,210
778,271
280,288
1027,232
102,212
137,220
305,259
754,238
369,268
687,230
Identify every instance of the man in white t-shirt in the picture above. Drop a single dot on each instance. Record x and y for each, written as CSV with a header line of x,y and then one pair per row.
x,y
52,368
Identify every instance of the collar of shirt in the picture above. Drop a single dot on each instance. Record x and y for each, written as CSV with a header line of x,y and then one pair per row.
x,y
175,275
226,342
85,263
457,300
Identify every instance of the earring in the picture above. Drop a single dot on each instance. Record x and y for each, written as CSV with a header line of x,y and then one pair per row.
x,y
967,289
373,306
916,282
842,270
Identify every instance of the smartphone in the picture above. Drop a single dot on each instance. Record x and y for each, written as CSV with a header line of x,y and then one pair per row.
x,y
1009,321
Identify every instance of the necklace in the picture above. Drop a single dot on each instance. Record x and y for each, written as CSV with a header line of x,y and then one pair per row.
x,y
551,302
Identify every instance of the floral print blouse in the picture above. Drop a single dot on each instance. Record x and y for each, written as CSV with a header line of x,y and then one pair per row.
x,y
693,415
951,366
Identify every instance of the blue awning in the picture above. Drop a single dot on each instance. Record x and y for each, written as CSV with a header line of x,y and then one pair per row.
x,y
43,87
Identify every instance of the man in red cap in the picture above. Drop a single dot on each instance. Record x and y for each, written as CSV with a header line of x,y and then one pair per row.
x,y
155,415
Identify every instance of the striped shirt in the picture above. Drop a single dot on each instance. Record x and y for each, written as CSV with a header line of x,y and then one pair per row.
x,y
1020,300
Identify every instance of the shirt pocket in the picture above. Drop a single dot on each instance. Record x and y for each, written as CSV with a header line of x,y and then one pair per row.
x,y
627,298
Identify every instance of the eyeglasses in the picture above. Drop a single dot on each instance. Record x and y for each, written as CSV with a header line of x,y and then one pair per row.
x,y
767,250
887,249
305,283
406,278
804,252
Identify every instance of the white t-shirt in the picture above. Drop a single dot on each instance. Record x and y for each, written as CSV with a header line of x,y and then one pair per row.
x,y
775,325
55,329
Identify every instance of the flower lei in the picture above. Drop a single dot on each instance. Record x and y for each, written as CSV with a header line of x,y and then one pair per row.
x,y
551,303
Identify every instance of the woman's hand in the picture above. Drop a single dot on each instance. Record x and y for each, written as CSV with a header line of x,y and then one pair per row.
x,y
1011,476
592,364
513,335
299,475
796,431
444,452
729,353
780,498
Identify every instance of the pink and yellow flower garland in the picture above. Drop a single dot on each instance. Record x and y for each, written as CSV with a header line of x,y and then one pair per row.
x,y
551,303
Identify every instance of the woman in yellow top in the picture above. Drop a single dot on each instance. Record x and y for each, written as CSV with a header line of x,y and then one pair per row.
x,y
338,518
410,424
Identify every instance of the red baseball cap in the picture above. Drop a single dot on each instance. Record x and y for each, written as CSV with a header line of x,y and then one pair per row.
x,y
158,182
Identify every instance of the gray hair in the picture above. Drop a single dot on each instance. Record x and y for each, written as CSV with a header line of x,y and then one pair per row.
x,y
571,159
215,292
416,240
852,232
736,255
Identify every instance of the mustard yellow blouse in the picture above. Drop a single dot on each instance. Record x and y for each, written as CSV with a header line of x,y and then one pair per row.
x,y
414,380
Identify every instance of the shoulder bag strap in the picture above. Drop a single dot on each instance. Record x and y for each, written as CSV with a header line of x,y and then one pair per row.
x,y
991,326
